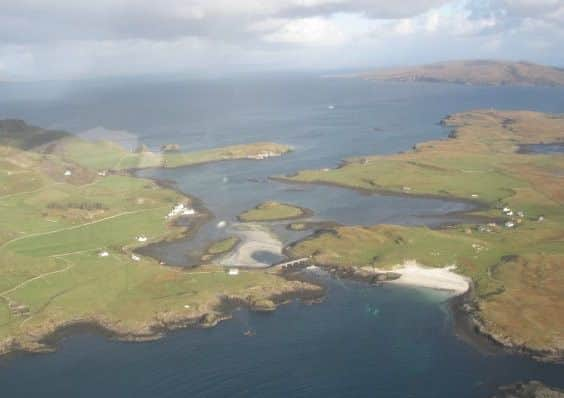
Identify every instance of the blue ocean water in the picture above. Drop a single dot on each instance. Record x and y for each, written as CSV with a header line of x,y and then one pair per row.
x,y
361,341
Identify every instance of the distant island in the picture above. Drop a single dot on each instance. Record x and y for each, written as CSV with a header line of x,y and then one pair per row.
x,y
474,72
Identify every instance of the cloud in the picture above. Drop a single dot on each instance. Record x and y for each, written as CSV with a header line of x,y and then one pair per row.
x,y
77,38
36,20
315,31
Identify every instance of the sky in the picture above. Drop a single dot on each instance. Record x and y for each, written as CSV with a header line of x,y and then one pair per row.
x,y
75,39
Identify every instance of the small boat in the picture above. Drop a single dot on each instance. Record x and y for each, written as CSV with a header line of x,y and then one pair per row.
x,y
249,333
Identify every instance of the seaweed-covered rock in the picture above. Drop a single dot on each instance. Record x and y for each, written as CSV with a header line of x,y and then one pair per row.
x,y
263,305
532,389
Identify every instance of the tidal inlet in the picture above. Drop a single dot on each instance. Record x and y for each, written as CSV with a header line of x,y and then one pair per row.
x,y
282,200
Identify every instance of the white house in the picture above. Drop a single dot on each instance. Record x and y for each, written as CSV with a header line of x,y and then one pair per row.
x,y
180,210
233,271
509,224
103,254
68,173
263,155
135,257
141,238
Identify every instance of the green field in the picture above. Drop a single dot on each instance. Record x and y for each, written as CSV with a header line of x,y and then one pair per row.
x,y
54,228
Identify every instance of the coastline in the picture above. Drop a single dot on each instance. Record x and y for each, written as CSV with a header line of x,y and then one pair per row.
x,y
304,214
521,123
204,215
156,328
414,274
463,305
47,339
474,205
134,170
466,322
469,327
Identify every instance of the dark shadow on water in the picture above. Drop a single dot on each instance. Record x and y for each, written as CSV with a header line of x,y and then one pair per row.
x,y
267,257
542,149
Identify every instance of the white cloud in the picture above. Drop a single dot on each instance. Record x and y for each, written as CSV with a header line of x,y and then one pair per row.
x,y
62,38
404,27
446,22
303,31
432,22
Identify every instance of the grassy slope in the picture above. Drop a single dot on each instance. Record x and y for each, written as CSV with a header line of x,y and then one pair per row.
x,y
517,271
16,133
272,211
51,231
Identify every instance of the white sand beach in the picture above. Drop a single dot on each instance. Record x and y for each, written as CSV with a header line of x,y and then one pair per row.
x,y
254,238
414,274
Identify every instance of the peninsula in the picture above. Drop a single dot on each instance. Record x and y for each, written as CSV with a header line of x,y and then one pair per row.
x,y
103,155
515,260
474,72
69,224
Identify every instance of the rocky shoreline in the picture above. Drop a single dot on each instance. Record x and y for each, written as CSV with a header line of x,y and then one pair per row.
x,y
46,338
467,322
531,389
470,327
465,309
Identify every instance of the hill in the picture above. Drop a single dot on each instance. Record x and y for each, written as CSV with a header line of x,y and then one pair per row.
x,y
474,72
18,134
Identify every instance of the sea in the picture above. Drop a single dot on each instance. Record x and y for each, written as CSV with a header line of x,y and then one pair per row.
x,y
360,341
